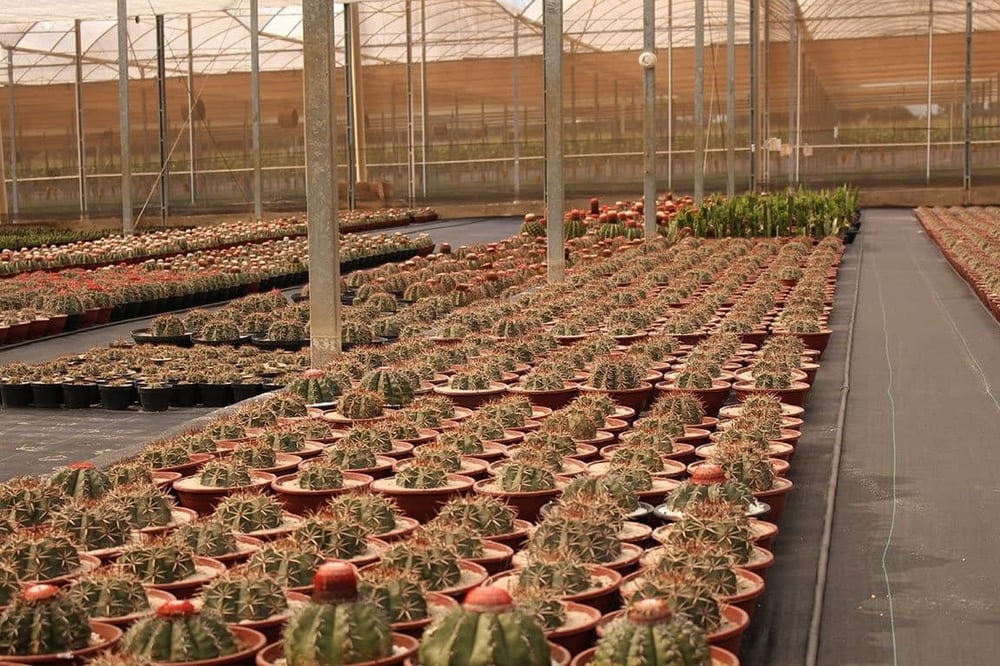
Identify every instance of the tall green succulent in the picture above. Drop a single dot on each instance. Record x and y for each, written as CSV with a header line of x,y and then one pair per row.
x,y
43,619
179,633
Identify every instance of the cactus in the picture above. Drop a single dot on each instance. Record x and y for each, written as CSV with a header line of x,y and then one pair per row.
x,y
373,437
126,473
463,441
28,501
532,226
241,595
110,592
470,379
541,379
335,536
637,453
464,545
692,377
43,620
232,473
286,404
81,481
286,331
748,468
395,386
361,404
548,443
336,627
663,428
616,373
165,455
220,329
577,424
226,429
598,403
517,477
435,565
317,386
543,605
771,375
651,633
379,513
488,629
321,474
40,553
708,484
208,537
249,512
351,456
482,514
587,489
167,326
147,505
94,525
10,584
356,332
554,571
158,562
439,454
256,454
179,633
688,594
421,473
397,592
288,562
587,538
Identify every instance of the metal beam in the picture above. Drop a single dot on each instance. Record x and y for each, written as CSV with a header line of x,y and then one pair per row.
x,y
731,98
411,157
649,124
190,101
754,94
15,196
424,104
351,132
3,179
967,168
321,180
797,155
161,106
555,193
358,101
258,180
930,81
125,126
81,151
699,101
670,95
517,117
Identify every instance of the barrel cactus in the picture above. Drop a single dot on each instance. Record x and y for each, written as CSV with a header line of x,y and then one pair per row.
x,y
729,536
543,604
396,387
532,226
557,572
81,480
523,478
147,505
708,483
435,565
287,331
43,619
484,515
684,406
336,628
586,488
40,553
470,379
10,583
337,537
577,424
158,562
167,326
242,594
422,474
488,629
688,594
399,593
207,536
129,472
28,501
321,474
165,455
110,592
616,373
318,386
94,525
651,633
361,404
178,632
232,473
378,512
220,329
351,456
249,512
289,562
585,540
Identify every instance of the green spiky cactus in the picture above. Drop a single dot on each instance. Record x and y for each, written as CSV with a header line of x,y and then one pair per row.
x,y
43,620
517,477
351,456
110,593
433,564
242,594
464,545
378,512
488,629
290,563
28,501
207,536
577,424
127,473
157,563
167,326
730,536
94,525
597,403
361,404
287,331
548,443
556,572
616,373
700,557
689,595
543,605
356,332
147,505
395,386
651,633
590,541
316,386
255,454
179,633
284,439
584,489
540,379
40,553
373,437
286,404
249,512
81,481
692,377
321,474
336,628
10,583
641,454
684,406
463,441
337,537
426,473
220,330
708,484
165,455
663,428
532,226
439,454
232,473
470,379
748,468
397,592
484,515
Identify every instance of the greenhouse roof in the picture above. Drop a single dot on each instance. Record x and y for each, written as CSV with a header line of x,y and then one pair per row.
x,y
40,34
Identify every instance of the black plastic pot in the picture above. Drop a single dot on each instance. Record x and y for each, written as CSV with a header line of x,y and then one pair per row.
x,y
46,395
15,395
216,395
184,395
116,397
80,395
246,391
155,398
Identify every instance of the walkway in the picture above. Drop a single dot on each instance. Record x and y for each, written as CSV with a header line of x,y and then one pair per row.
x,y
913,575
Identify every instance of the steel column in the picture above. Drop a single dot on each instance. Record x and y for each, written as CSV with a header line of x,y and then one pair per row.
x,y
797,155
81,151
930,80
754,92
190,100
424,105
670,95
411,158
731,97
967,162
351,130
15,194
3,179
517,117
649,124
258,180
358,99
699,101
321,180
161,117
555,193
125,126
792,94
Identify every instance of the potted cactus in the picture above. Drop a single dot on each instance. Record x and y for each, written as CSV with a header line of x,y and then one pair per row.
x,y
214,539
489,628
421,487
243,597
170,567
566,578
470,387
396,387
339,537
100,528
116,597
286,334
708,484
81,480
622,378
380,513
180,634
435,563
319,387
288,562
217,480
256,515
357,633
221,330
166,329
485,516
44,626
44,554
402,597
315,483
525,486
357,405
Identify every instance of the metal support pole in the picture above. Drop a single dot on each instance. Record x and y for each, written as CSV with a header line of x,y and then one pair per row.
x,y
3,180
350,134
670,95
15,195
358,100
967,169
754,138
930,80
125,126
649,126
321,180
161,106
555,193
258,180
517,117
411,158
731,98
797,156
423,99
81,151
191,121
699,101
792,94
765,111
